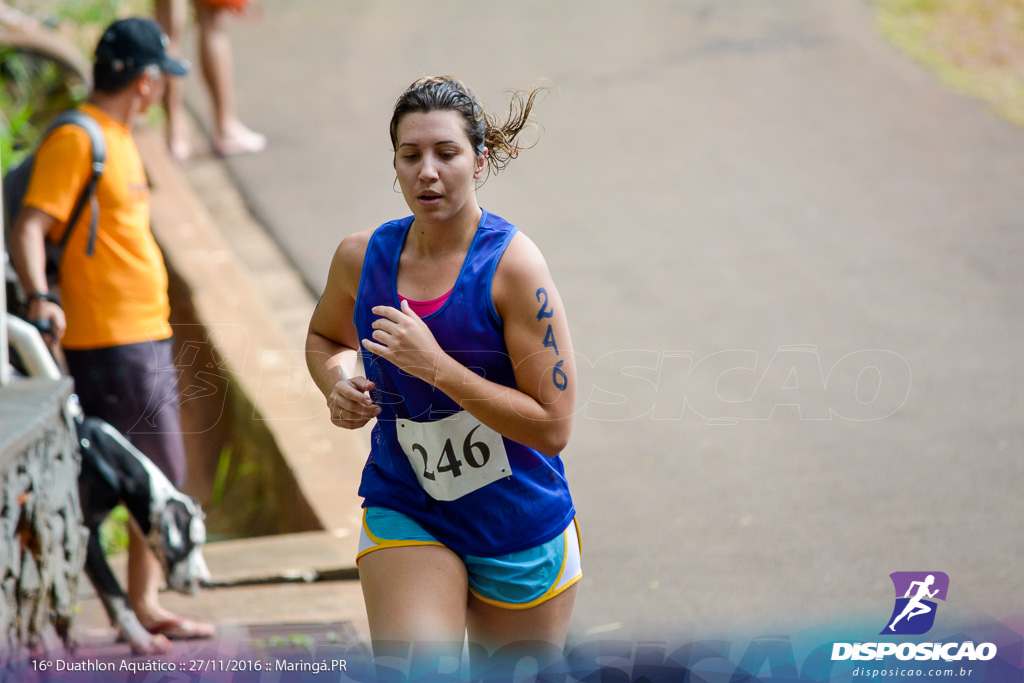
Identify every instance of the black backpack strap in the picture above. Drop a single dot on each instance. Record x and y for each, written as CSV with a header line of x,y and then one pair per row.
x,y
87,123
88,195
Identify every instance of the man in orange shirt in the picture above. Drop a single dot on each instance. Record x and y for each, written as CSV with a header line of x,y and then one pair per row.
x,y
112,317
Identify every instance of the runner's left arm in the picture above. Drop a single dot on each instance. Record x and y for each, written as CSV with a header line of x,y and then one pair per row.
x,y
538,412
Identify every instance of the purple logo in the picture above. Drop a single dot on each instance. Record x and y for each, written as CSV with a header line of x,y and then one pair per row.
x,y
916,593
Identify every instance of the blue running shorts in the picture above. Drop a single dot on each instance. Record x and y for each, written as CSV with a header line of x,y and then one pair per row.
x,y
519,580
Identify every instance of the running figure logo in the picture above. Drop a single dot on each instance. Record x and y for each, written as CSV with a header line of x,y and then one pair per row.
x,y
914,612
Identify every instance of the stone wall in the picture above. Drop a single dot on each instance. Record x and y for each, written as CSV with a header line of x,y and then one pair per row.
x,y
42,540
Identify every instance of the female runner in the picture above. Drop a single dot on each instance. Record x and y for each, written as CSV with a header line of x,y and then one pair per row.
x,y
468,522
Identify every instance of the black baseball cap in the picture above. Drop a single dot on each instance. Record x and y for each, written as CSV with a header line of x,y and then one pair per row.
x,y
135,43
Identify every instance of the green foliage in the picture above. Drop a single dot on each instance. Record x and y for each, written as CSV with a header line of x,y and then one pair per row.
x,y
15,130
220,479
15,110
82,21
84,12
232,474
114,531
976,47
33,89
91,17
299,641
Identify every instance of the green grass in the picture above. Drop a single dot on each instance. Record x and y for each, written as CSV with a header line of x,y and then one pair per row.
x,y
976,47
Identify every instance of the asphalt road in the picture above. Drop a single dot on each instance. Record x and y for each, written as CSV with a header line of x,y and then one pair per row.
x,y
792,262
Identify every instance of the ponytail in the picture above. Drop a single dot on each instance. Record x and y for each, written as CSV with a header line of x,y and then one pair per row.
x,y
502,139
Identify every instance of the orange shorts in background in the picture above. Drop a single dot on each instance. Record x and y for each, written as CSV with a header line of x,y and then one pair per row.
x,y
233,5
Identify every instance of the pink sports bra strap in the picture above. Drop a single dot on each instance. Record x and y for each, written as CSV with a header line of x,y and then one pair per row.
x,y
425,308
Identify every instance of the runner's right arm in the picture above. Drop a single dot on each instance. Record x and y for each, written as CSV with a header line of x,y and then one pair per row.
x,y
332,341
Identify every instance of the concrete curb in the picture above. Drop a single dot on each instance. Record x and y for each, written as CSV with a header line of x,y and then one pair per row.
x,y
242,315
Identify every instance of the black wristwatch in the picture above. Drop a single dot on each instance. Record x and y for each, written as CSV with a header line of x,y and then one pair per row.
x,y
44,295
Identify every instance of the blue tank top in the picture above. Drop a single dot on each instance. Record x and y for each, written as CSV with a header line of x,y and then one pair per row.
x,y
517,504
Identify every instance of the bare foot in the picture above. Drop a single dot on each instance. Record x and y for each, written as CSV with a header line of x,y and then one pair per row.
x,y
180,149
149,644
239,139
164,624
181,628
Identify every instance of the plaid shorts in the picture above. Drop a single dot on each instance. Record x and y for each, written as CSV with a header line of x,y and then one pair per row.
x,y
134,387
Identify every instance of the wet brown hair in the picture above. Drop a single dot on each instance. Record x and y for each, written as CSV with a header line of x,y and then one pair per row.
x,y
445,93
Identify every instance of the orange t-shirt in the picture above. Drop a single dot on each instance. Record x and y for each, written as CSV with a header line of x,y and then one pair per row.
x,y
119,294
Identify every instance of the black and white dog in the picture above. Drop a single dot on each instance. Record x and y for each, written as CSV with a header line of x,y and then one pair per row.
x,y
114,471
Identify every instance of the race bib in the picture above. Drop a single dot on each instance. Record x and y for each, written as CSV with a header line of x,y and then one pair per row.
x,y
453,456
